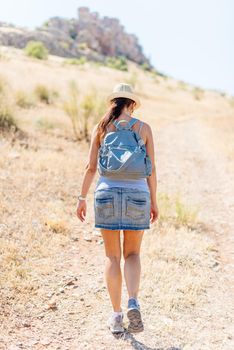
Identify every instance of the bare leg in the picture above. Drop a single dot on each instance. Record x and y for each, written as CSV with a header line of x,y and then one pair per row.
x,y
132,264
113,276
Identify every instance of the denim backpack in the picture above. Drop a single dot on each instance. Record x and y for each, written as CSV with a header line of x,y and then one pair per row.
x,y
122,153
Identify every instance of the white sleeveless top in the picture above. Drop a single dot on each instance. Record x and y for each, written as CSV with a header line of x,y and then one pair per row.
x,y
106,182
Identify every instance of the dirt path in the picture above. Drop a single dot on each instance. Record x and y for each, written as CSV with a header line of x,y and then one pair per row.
x,y
191,165
188,164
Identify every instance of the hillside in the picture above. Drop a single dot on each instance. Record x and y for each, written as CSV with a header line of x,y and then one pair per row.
x,y
89,35
52,291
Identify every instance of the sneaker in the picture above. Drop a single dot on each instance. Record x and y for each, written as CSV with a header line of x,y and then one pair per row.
x,y
115,323
134,316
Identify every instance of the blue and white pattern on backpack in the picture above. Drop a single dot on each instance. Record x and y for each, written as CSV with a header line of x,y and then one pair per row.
x,y
122,153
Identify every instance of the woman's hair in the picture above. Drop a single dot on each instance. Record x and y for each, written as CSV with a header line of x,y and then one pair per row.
x,y
117,105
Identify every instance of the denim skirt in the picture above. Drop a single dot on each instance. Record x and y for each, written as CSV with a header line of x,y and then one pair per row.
x,y
120,208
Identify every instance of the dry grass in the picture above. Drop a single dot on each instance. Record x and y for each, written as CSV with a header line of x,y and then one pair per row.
x,y
179,258
7,119
175,211
198,93
83,110
44,94
84,106
222,127
178,267
24,100
35,217
40,178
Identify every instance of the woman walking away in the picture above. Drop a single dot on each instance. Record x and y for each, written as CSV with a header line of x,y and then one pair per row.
x,y
122,150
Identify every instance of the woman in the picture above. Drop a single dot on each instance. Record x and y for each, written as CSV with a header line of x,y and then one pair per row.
x,y
123,101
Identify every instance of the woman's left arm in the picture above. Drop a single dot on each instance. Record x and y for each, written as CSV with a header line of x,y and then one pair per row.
x,y
90,171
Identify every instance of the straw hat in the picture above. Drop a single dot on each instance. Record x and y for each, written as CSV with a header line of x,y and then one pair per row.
x,y
124,90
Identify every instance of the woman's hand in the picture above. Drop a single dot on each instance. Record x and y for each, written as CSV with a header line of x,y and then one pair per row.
x,y
81,210
153,213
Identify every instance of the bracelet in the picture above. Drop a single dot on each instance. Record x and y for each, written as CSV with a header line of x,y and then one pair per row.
x,y
80,197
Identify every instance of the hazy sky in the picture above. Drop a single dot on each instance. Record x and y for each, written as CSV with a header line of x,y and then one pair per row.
x,y
190,40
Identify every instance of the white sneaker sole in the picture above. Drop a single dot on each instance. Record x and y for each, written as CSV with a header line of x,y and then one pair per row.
x,y
115,330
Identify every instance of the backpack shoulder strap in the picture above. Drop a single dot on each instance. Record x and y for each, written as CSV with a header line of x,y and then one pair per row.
x,y
132,122
128,124
117,124
141,124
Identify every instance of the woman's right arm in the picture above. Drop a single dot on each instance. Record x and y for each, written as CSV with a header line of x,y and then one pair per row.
x,y
152,179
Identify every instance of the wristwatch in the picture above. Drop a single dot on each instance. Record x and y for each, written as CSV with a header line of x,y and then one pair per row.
x,y
80,197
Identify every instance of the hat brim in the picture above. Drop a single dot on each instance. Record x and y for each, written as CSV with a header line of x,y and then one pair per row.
x,y
126,95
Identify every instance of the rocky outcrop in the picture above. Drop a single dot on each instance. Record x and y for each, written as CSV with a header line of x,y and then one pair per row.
x,y
89,35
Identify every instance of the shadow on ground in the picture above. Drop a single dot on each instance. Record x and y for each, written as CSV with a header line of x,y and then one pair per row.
x,y
137,344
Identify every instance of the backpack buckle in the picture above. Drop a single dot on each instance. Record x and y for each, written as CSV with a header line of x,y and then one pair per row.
x,y
140,142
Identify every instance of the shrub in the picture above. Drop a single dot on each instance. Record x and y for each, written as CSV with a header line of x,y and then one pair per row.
x,y
145,66
185,216
76,61
36,49
82,46
7,120
70,107
45,124
118,62
64,45
57,226
44,94
88,105
46,24
160,74
198,93
182,85
73,33
83,111
173,210
23,100
97,63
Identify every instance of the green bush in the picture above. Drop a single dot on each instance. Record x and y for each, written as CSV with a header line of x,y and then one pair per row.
x,y
73,33
36,49
145,66
82,46
64,45
118,62
155,72
46,24
76,61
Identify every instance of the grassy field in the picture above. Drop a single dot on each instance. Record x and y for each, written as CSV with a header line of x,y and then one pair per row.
x,y
51,282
